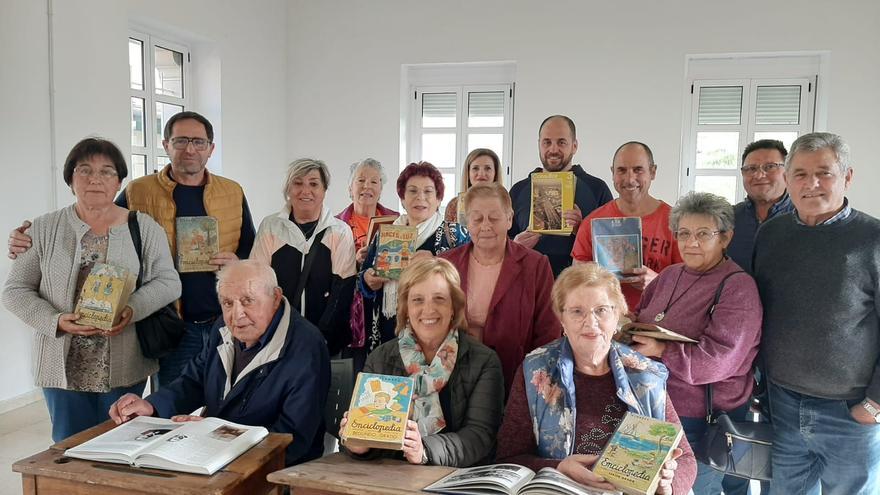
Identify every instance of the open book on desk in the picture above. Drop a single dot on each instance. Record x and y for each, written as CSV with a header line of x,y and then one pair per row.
x,y
200,447
510,479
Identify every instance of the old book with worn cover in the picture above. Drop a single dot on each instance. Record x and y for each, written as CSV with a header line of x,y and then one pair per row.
x,y
380,406
552,194
650,330
104,295
198,240
397,244
617,243
375,222
632,459
510,479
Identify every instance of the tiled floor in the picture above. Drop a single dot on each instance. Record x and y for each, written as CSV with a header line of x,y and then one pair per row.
x,y
23,432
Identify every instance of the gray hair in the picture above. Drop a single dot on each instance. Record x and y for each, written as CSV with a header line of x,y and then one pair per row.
x,y
259,272
816,141
366,162
303,166
703,203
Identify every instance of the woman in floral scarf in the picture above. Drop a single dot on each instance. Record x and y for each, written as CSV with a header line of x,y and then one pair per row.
x,y
459,387
569,396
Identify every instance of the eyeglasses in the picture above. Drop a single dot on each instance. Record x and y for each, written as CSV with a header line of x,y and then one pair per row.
x,y
578,314
180,143
702,235
427,193
87,172
766,168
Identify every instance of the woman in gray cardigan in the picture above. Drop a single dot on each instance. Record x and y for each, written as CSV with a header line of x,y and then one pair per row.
x,y
459,387
83,369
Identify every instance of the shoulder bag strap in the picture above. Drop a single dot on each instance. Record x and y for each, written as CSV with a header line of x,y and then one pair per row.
x,y
135,231
307,267
712,310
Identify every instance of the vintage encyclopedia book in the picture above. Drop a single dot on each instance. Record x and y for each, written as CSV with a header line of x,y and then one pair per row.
x,y
632,459
650,330
198,240
375,222
104,295
552,194
510,479
200,447
617,243
397,244
380,406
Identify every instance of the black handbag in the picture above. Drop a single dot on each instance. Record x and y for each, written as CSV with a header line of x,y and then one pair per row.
x,y
161,332
737,448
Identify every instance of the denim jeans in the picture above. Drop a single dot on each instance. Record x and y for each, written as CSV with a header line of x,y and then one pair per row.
x,y
194,339
708,481
72,412
817,442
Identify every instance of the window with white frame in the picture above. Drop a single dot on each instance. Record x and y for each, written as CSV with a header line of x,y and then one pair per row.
x,y
726,115
158,89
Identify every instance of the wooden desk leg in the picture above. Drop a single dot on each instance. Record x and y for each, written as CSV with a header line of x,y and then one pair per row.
x,y
28,484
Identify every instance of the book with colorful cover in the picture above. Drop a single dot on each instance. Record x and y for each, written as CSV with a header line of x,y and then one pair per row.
x,y
460,216
198,240
380,407
552,195
396,246
652,330
375,222
633,457
617,243
104,295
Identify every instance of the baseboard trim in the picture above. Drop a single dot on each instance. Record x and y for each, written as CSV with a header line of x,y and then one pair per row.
x,y
21,400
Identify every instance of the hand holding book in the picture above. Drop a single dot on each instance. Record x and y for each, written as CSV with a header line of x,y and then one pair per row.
x,y
578,467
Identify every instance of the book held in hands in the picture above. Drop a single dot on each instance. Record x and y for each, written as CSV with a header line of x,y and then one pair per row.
x,y
380,406
633,457
199,447
104,295
552,195
396,246
198,240
649,330
510,479
375,222
617,244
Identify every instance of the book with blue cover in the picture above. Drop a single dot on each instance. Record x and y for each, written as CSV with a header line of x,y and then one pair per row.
x,y
617,243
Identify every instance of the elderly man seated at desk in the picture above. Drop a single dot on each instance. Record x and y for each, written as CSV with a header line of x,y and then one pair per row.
x,y
263,365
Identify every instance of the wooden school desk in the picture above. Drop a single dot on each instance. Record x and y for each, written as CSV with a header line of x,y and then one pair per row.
x,y
339,474
49,472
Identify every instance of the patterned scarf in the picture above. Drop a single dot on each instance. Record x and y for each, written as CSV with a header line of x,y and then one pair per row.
x,y
429,379
425,230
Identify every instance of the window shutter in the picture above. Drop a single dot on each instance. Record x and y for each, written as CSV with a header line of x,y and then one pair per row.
x,y
438,109
486,109
778,105
720,105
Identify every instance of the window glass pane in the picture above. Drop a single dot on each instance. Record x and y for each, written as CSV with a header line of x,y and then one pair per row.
x,y
439,149
724,186
450,190
138,166
778,105
136,63
169,72
164,111
137,122
161,161
494,142
717,150
720,105
438,109
486,109
786,137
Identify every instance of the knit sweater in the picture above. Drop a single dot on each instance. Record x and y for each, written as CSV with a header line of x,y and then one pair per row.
x,y
42,285
820,287
727,340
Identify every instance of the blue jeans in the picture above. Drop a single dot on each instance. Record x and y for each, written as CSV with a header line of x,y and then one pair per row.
x,y
72,412
194,339
817,442
708,481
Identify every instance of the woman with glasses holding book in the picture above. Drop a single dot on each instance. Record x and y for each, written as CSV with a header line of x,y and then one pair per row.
x,y
83,369
710,299
575,391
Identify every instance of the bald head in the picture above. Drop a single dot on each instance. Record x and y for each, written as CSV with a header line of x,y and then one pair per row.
x,y
249,297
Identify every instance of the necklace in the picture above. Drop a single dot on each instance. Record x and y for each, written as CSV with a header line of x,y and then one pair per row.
x,y
486,265
670,301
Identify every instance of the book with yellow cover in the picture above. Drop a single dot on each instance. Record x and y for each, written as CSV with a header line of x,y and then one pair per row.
x,y
380,406
103,296
633,457
198,241
552,194
397,244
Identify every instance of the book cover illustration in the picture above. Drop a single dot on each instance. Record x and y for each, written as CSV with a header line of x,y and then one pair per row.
x,y
397,244
640,446
103,296
375,222
380,406
617,243
198,241
552,194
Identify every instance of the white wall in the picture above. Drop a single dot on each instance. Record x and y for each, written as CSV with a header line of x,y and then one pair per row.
x,y
617,68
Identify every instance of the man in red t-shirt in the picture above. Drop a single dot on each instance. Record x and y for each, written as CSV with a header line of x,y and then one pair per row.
x,y
632,170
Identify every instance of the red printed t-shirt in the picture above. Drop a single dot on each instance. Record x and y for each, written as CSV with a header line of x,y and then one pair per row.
x,y
659,249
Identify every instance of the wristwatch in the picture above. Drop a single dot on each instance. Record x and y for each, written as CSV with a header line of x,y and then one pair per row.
x,y
873,411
